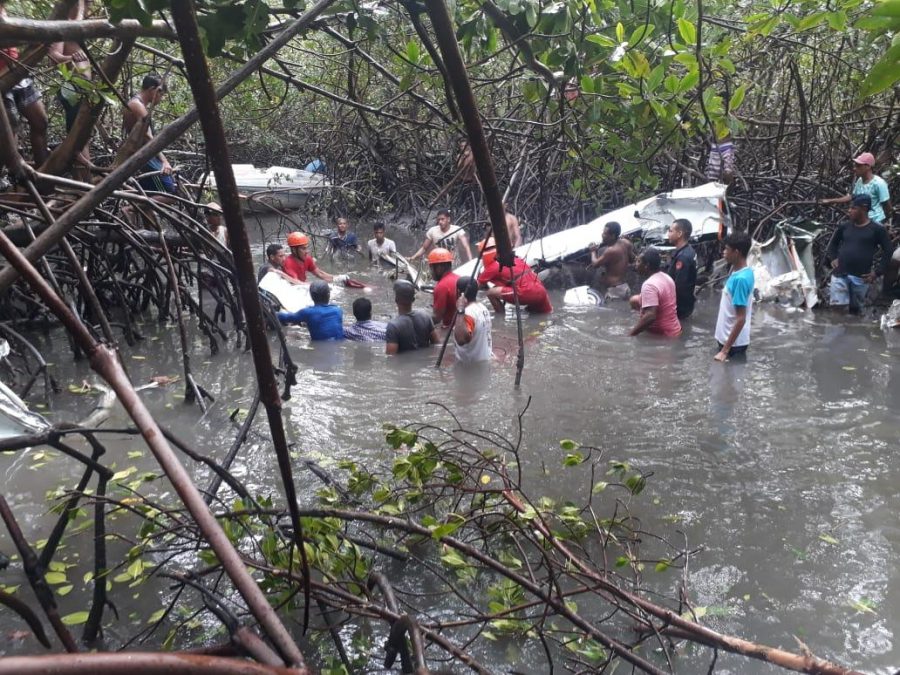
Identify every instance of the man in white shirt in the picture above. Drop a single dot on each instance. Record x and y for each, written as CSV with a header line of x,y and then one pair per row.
x,y
472,329
445,235
380,245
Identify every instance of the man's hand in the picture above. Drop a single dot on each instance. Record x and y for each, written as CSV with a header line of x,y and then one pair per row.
x,y
166,167
870,277
78,56
834,264
721,357
461,304
339,278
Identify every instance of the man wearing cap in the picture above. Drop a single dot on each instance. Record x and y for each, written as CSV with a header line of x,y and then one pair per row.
x,y
444,235
410,329
867,183
214,223
299,262
529,290
852,254
440,260
324,321
658,299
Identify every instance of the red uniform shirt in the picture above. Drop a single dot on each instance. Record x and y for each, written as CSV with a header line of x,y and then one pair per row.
x,y
529,289
297,269
445,298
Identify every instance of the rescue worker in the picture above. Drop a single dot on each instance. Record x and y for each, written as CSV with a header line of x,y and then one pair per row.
x,y
444,305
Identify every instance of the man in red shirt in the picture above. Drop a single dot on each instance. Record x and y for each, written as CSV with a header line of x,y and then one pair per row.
x,y
299,262
530,291
441,261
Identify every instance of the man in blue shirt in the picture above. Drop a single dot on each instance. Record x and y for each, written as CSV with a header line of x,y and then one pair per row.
x,y
736,305
342,240
365,330
324,321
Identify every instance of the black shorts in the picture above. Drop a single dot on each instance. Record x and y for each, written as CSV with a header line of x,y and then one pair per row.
x,y
21,96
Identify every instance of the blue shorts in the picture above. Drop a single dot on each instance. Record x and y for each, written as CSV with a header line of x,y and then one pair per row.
x,y
848,290
158,182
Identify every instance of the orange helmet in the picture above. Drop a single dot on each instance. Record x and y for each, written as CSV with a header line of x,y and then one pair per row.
x,y
488,244
489,256
439,255
297,239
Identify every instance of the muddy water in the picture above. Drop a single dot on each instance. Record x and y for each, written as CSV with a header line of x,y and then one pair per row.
x,y
783,467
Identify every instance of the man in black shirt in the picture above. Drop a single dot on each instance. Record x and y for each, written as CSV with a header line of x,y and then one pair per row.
x,y
852,253
409,329
683,266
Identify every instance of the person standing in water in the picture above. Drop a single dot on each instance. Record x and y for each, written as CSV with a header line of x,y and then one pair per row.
x,y
472,330
410,329
445,235
736,305
683,266
657,301
614,260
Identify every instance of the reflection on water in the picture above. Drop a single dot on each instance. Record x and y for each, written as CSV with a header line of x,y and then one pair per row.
x,y
755,459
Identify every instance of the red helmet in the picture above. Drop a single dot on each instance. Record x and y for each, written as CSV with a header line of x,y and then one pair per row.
x,y
489,256
439,255
297,239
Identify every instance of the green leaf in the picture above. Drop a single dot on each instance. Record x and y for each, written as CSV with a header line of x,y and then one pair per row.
x,y
157,615
766,26
688,31
828,539
621,561
600,486
888,8
124,473
883,74
863,605
75,619
811,21
412,51
663,565
641,33
620,32
568,444
64,590
602,40
837,20
689,81
573,459
55,578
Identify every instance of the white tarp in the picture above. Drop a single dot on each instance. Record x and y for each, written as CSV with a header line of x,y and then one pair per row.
x,y
652,216
293,297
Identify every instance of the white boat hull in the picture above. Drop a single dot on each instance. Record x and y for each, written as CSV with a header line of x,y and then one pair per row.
x,y
278,187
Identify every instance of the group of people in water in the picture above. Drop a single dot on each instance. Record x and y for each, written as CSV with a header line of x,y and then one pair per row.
x,y
455,306
666,298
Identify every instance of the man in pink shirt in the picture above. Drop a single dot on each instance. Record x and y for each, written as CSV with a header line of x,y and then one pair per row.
x,y
657,301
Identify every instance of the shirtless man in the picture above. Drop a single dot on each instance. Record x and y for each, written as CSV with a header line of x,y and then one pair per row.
x,y
160,180
512,226
614,260
74,63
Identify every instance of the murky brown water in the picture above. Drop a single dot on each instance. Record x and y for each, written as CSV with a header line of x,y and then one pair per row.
x,y
755,460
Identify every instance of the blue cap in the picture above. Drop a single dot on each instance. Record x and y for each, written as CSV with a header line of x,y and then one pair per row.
x,y
861,200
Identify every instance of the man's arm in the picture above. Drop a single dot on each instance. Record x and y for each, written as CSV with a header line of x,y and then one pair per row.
x,y
741,314
604,258
836,200
834,246
887,248
423,249
648,316
463,240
